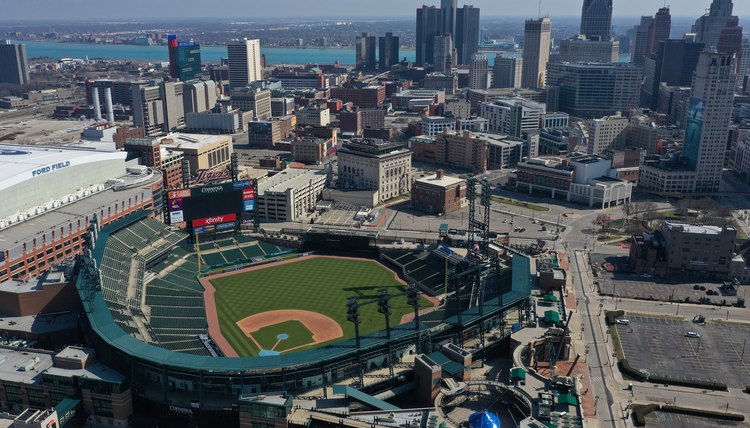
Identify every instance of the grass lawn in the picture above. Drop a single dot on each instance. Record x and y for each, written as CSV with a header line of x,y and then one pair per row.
x,y
298,335
315,284
515,203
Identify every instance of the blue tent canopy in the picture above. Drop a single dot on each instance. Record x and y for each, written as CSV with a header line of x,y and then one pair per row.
x,y
484,419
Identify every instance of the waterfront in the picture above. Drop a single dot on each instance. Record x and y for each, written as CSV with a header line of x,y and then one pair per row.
x,y
299,55
291,55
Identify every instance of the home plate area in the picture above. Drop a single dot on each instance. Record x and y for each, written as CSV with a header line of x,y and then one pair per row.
x,y
277,332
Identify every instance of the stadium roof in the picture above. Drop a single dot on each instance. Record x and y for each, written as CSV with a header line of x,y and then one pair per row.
x,y
21,163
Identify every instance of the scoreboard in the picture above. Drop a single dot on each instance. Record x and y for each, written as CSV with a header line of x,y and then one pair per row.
x,y
201,204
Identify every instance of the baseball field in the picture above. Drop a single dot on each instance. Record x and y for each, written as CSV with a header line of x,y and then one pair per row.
x,y
298,304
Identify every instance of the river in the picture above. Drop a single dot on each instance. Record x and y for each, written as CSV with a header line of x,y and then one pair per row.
x,y
291,55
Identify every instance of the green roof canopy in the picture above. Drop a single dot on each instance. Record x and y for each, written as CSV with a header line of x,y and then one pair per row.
x,y
552,316
567,399
518,373
550,298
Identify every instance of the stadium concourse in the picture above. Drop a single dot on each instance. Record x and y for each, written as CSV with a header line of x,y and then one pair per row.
x,y
139,285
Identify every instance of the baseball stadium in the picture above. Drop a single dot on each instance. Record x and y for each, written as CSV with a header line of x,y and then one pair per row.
x,y
198,319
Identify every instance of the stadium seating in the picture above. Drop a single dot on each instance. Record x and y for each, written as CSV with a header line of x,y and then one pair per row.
x,y
166,269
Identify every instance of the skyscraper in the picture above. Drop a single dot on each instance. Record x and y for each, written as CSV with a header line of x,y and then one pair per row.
x,y
478,72
708,27
466,35
448,11
590,90
14,64
640,45
730,40
243,57
388,54
660,30
184,59
506,72
536,52
365,52
429,24
708,118
443,62
675,64
596,19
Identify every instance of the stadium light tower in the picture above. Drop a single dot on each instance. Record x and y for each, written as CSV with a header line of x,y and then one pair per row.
x,y
412,299
352,315
384,307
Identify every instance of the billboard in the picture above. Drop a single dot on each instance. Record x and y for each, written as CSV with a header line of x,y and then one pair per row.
x,y
694,130
205,202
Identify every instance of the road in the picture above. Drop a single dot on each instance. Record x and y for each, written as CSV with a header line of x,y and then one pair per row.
x,y
601,371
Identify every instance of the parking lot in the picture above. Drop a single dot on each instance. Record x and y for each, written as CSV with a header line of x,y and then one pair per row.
x,y
638,287
661,419
634,286
660,347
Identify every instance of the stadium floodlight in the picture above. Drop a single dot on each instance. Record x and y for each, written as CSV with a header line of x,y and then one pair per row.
x,y
412,299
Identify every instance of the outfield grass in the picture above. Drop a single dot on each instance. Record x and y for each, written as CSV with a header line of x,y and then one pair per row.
x,y
316,284
299,335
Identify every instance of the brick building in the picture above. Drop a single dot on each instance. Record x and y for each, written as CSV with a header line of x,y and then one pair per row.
x,y
438,194
367,97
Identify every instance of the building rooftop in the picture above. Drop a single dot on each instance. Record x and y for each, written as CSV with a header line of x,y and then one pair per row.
x,y
23,365
179,140
22,163
93,370
497,139
444,181
39,324
288,179
696,229
17,234
34,284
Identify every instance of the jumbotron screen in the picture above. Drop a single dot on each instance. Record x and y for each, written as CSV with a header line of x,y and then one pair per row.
x,y
209,201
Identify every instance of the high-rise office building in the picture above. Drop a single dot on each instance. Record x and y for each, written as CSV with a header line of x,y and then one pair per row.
x,y
674,65
536,47
730,40
591,90
443,62
184,59
660,30
466,37
744,67
596,19
506,72
243,57
429,25
14,64
583,49
708,27
365,52
388,54
640,45
448,12
158,109
478,72
708,119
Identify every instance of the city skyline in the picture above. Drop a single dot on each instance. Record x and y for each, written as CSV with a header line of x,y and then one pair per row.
x,y
85,9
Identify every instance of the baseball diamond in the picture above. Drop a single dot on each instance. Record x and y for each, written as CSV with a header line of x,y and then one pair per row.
x,y
311,290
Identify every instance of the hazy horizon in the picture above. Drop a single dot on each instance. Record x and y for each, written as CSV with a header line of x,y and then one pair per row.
x,y
148,10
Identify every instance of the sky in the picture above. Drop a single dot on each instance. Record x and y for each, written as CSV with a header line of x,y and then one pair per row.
x,y
144,9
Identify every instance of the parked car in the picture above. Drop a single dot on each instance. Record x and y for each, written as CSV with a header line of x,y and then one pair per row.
x,y
623,321
693,335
